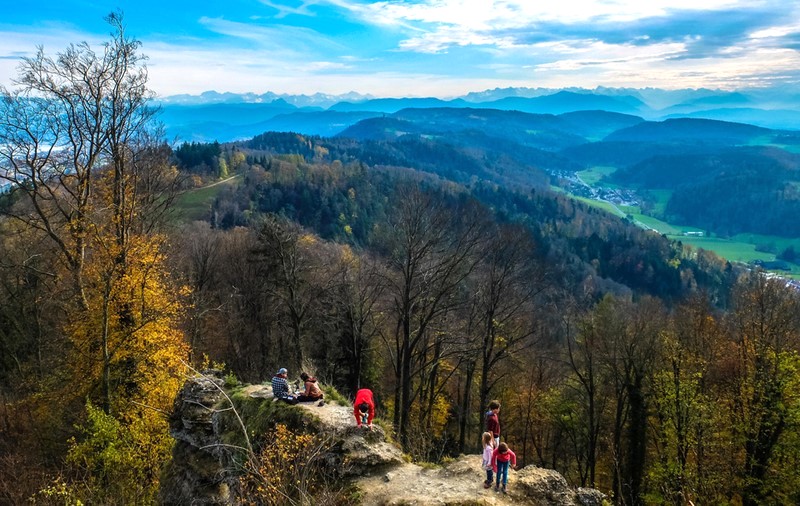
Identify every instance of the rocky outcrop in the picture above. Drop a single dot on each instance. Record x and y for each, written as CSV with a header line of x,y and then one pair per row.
x,y
200,471
548,487
196,473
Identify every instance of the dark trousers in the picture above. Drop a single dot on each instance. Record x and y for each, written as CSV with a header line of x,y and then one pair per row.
x,y
307,398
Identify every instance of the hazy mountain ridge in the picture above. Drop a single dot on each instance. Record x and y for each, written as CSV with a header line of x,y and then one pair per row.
x,y
203,117
234,116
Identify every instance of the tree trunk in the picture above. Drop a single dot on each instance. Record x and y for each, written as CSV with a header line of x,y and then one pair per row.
x,y
465,406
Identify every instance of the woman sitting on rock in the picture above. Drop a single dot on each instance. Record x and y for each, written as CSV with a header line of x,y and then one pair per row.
x,y
312,391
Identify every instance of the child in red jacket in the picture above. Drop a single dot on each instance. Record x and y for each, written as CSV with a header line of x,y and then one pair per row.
x,y
502,457
364,408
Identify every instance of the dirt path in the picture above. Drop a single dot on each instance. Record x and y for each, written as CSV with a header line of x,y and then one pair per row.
x,y
460,482
219,182
331,414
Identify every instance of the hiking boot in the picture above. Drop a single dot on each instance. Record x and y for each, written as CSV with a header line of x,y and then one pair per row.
x,y
504,489
497,488
486,484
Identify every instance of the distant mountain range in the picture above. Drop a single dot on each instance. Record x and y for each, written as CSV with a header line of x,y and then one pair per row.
x,y
231,116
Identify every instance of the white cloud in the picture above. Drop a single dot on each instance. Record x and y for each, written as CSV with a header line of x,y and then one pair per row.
x,y
52,37
324,66
504,14
429,37
776,31
284,37
285,10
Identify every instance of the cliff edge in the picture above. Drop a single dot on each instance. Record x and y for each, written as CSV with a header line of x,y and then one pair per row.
x,y
203,466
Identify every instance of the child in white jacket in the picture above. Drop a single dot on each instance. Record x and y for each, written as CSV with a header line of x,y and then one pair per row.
x,y
488,451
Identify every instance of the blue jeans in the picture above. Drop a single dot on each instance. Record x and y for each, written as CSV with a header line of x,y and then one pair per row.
x,y
502,470
489,476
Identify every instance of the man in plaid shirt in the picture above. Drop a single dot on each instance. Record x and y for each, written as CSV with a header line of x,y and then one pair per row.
x,y
280,385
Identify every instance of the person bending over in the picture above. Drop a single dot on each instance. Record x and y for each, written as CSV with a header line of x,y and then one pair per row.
x,y
364,408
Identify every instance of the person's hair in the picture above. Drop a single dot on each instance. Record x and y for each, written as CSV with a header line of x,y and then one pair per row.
x,y
487,438
303,376
494,405
363,407
503,448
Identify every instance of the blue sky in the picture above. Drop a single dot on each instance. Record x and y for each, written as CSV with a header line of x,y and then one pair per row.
x,y
438,48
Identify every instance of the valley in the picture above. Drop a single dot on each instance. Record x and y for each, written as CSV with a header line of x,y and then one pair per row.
x,y
591,186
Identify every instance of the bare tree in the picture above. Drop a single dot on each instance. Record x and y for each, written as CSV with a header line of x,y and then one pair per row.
x,y
433,250
70,117
509,279
297,273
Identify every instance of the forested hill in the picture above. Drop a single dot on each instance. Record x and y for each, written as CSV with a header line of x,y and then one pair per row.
x,y
344,190
695,130
682,159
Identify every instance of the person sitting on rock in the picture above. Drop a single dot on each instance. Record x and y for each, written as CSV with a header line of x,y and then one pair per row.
x,y
280,386
312,391
364,408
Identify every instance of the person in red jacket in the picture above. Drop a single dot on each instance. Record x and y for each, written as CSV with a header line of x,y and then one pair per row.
x,y
364,408
501,458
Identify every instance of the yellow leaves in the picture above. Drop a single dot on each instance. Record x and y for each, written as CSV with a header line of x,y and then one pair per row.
x,y
59,492
127,350
280,471
348,257
237,160
307,240
121,458
439,415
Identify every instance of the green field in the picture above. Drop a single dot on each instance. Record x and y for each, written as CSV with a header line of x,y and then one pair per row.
x,y
740,248
195,204
779,243
731,250
594,175
605,206
736,251
660,198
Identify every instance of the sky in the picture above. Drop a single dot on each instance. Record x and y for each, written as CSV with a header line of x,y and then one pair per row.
x,y
441,48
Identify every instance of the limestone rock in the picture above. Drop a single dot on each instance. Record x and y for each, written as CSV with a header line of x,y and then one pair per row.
x,y
589,497
547,485
193,476
363,457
